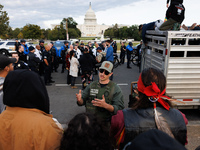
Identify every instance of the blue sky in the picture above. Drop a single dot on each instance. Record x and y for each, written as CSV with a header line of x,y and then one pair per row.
x,y
130,12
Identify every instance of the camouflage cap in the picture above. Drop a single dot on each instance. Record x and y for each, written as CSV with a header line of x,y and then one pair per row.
x,y
107,65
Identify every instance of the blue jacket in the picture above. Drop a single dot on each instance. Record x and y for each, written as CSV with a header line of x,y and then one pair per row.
x,y
26,51
62,49
129,48
149,26
109,54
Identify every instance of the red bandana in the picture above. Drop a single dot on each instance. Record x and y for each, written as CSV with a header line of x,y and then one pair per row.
x,y
154,91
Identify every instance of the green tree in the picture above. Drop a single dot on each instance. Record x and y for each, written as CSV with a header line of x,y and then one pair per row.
x,y
31,31
4,21
20,35
16,32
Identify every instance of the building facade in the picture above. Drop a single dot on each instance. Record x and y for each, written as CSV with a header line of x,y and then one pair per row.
x,y
90,28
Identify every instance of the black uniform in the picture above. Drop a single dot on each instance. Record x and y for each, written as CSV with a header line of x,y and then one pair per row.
x,y
47,69
17,44
122,54
63,56
55,62
33,62
20,65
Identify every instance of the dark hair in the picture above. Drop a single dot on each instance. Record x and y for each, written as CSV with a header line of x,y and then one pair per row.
x,y
150,75
71,54
140,27
85,132
108,41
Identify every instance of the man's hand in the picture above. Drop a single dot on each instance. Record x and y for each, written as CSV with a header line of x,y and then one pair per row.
x,y
99,102
79,98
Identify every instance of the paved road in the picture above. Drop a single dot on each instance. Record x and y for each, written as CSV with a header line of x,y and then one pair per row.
x,y
63,101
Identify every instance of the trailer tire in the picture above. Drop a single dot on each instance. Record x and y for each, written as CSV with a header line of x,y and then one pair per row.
x,y
4,52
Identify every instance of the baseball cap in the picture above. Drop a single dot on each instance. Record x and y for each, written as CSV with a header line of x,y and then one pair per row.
x,y
5,61
66,42
107,65
99,48
31,48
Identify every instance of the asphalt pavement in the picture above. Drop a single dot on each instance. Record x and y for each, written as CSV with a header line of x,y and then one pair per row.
x,y
64,107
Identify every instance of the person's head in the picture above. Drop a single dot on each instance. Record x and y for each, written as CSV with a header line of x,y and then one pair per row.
x,y
41,42
16,40
86,132
123,43
16,56
38,47
96,45
85,51
66,43
89,44
130,43
148,76
71,53
141,42
6,65
108,42
75,47
47,47
71,47
31,49
140,27
24,88
23,42
21,48
99,49
105,71
155,139
52,43
82,44
77,43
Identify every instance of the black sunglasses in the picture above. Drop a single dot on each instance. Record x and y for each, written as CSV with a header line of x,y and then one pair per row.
x,y
102,70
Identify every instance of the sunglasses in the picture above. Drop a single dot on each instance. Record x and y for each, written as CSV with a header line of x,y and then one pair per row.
x,y
105,71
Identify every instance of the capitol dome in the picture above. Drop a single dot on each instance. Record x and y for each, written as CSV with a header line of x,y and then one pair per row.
x,y
90,17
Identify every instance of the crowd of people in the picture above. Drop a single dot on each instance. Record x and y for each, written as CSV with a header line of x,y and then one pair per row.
x,y
78,59
25,120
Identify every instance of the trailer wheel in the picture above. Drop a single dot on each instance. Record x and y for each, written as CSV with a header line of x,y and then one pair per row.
x,y
4,52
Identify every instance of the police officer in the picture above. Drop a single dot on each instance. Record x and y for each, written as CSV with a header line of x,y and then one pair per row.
x,y
104,97
41,43
19,64
33,60
47,66
25,51
62,54
54,54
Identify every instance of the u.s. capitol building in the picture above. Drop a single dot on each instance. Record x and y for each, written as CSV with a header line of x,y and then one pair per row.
x,y
90,28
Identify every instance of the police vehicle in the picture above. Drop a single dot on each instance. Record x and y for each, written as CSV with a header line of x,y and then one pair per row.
x,y
7,47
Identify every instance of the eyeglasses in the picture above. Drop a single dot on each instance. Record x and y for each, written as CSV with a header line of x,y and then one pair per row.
x,y
105,71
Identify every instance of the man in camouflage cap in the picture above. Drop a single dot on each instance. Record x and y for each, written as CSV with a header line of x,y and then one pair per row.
x,y
104,97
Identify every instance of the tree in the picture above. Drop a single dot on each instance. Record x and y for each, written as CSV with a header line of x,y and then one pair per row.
x,y
20,35
16,32
4,21
31,31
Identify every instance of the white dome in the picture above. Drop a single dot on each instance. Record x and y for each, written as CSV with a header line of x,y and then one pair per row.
x,y
90,13
90,17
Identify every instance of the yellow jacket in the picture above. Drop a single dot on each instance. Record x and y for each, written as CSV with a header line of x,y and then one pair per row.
x,y
28,129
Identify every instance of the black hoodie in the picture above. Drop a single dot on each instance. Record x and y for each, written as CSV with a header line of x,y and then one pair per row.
x,y
176,11
24,88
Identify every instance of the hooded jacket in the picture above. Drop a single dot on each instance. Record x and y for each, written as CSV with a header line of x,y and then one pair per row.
x,y
26,122
176,11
